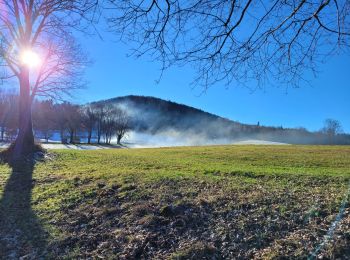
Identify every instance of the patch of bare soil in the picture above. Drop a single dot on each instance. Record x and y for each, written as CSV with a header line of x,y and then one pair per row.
x,y
181,220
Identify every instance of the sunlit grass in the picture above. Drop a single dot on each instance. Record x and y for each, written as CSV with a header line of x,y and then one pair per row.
x,y
315,175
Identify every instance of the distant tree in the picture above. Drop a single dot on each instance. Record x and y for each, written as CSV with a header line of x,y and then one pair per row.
x,y
60,121
89,116
122,125
8,115
239,40
109,122
43,118
332,127
302,129
68,120
100,111
73,121
3,113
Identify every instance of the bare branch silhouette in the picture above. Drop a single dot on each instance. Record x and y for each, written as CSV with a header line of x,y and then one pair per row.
x,y
236,40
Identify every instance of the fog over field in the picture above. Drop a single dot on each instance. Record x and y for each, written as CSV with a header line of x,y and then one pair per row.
x,y
168,138
175,138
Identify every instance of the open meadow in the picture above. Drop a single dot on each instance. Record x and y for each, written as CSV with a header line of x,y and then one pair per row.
x,y
213,202
182,129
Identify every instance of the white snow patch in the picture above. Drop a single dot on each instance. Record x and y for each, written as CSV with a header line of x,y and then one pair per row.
x,y
70,146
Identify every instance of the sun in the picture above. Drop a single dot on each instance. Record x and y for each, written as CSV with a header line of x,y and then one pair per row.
x,y
30,58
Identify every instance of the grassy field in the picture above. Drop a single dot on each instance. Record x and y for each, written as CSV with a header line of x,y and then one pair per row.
x,y
216,202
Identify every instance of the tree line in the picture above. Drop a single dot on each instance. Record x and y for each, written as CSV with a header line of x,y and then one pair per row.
x,y
91,123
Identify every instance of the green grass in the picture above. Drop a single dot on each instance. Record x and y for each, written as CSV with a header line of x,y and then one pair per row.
x,y
248,201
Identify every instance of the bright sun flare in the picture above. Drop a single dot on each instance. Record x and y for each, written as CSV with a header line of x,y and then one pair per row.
x,y
30,58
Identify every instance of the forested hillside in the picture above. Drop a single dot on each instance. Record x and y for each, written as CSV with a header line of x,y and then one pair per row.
x,y
154,115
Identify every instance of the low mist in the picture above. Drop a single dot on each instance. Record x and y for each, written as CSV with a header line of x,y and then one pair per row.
x,y
160,123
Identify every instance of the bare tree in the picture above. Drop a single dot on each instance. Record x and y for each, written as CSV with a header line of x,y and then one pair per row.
x,y
43,118
122,125
332,127
109,122
89,115
8,114
100,112
74,121
69,121
236,40
37,48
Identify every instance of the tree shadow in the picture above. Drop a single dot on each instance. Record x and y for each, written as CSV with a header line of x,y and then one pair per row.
x,y
21,233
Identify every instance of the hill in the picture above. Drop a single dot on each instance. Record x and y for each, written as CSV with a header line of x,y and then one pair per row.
x,y
154,115
159,117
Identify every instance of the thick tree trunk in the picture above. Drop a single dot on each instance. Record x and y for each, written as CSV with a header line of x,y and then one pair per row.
x,y
75,136
71,136
119,138
89,136
47,137
24,143
2,133
99,133
62,136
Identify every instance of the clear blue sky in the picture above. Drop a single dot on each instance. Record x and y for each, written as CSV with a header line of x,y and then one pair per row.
x,y
114,74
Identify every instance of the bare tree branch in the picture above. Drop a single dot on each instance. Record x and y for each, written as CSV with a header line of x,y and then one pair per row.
x,y
238,40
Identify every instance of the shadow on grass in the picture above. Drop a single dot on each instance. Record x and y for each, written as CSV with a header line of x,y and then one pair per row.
x,y
21,233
